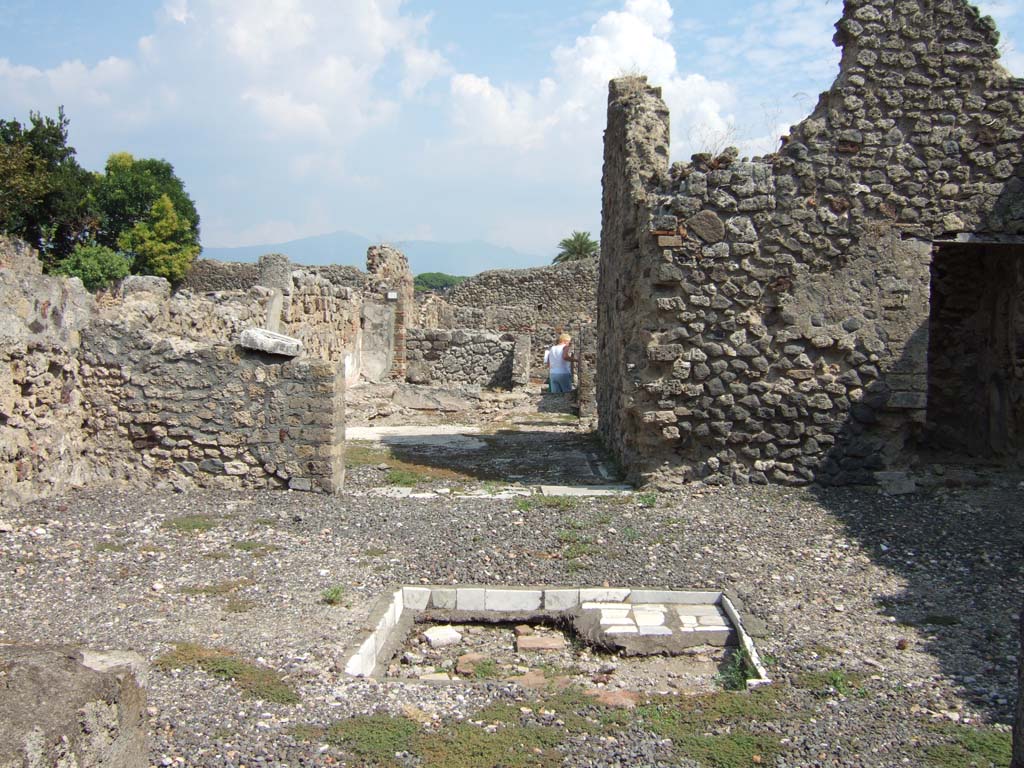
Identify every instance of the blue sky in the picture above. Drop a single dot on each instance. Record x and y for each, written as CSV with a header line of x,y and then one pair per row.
x,y
424,119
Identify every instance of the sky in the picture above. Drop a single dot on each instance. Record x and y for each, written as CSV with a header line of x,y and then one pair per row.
x,y
447,120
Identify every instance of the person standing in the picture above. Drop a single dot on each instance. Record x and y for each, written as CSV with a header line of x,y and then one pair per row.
x,y
558,359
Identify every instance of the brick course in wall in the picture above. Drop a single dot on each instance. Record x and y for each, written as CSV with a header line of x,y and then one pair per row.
x,y
769,320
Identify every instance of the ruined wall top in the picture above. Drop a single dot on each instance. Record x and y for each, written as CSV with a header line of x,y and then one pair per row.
x,y
566,290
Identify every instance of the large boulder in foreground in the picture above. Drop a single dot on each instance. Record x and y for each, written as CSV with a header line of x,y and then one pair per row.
x,y
69,708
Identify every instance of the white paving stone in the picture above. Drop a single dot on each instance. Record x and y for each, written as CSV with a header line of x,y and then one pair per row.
x,y
585,490
561,599
603,594
439,637
648,618
416,598
615,617
655,631
471,599
443,598
513,599
622,629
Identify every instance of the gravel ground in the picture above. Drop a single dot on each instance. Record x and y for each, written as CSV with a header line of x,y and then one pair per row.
x,y
914,598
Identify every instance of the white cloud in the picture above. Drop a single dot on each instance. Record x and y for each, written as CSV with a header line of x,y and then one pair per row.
x,y
568,109
177,10
285,116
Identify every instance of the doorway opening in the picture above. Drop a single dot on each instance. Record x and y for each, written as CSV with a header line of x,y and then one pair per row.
x,y
975,351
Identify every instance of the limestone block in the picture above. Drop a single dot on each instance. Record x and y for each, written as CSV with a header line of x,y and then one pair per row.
x,y
270,342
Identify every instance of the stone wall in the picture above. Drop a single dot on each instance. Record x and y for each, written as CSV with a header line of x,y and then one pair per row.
x,y
134,389
769,320
460,357
556,293
209,275
541,302
217,414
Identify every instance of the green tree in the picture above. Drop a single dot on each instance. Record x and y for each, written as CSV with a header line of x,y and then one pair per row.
x,y
579,245
126,192
435,281
164,244
44,192
96,265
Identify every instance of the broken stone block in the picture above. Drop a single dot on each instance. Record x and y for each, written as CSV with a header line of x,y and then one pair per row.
x,y
272,343
439,637
540,643
468,662
56,709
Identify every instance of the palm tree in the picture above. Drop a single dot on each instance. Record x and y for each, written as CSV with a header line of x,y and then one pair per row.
x,y
579,245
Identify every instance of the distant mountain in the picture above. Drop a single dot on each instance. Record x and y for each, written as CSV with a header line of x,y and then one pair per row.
x,y
460,258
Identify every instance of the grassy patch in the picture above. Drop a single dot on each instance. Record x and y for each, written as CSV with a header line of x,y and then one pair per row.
x,y
737,670
715,729
470,746
255,548
374,552
406,477
363,454
486,669
374,738
191,523
647,500
238,605
964,746
334,595
254,680
831,681
219,587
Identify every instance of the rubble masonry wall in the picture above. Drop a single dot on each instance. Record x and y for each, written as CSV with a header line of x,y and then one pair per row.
x,y
460,357
768,320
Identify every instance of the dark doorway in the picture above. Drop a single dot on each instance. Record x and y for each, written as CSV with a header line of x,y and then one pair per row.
x,y
975,335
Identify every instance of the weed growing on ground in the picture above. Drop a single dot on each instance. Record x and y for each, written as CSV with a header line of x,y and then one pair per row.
x,y
965,745
404,477
647,500
831,681
254,680
486,669
237,605
219,587
191,523
737,670
255,548
333,595
374,738
715,730
374,552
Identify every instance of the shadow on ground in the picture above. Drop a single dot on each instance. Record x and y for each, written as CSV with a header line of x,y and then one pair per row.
x,y
535,457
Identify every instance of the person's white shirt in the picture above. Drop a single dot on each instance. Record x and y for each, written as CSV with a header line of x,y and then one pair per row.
x,y
555,360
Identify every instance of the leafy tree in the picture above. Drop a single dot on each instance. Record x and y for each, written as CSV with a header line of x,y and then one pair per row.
x,y
44,192
164,244
96,265
126,192
435,281
579,245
